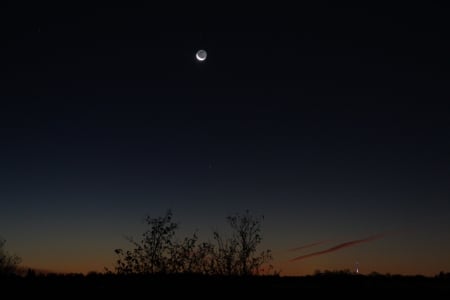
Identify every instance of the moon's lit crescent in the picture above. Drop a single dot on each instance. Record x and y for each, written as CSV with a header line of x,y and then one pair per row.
x,y
200,55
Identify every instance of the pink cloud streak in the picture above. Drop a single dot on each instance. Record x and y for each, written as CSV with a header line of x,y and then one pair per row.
x,y
340,246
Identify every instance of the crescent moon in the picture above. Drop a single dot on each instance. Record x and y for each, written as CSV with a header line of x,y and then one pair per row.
x,y
200,55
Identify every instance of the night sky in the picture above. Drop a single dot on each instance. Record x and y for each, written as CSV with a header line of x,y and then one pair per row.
x,y
331,121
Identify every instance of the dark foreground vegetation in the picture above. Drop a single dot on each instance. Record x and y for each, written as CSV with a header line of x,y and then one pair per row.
x,y
207,286
160,265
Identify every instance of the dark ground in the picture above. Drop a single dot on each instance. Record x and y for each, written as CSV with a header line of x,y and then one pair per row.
x,y
194,287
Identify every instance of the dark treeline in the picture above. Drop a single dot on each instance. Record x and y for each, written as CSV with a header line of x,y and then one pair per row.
x,y
160,263
169,285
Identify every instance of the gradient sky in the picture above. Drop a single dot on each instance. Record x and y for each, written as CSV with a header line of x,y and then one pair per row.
x,y
332,122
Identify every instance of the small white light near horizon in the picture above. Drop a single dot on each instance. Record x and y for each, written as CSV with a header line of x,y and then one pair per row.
x,y
201,55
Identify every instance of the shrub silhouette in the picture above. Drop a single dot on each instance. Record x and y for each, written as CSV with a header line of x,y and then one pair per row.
x,y
238,255
8,262
154,252
159,252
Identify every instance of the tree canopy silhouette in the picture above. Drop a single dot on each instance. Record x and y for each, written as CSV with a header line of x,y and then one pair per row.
x,y
160,252
8,262
247,236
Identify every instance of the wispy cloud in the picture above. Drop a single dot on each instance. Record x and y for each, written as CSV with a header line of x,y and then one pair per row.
x,y
340,246
307,246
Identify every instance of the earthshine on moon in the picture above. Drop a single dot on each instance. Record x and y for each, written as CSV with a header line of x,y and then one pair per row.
x,y
201,55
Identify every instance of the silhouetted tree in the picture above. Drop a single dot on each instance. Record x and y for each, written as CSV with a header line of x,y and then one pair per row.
x,y
158,252
238,255
180,259
149,254
8,262
224,255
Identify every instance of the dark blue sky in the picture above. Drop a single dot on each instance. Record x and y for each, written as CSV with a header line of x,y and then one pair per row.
x,y
331,121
